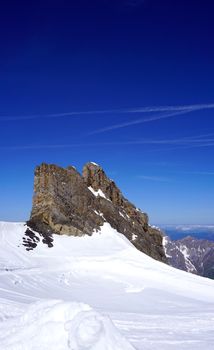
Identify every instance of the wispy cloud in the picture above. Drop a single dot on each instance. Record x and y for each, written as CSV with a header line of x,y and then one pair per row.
x,y
204,140
206,173
150,109
166,179
154,178
183,146
144,120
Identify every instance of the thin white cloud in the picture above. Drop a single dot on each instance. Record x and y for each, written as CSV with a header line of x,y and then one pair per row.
x,y
181,143
206,173
183,147
143,120
154,178
151,109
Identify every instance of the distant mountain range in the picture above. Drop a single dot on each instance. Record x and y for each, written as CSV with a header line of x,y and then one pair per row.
x,y
190,253
181,231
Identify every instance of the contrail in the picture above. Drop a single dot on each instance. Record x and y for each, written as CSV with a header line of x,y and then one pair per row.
x,y
185,142
142,120
151,109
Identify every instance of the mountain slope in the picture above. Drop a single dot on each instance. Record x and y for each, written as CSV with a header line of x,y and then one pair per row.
x,y
191,254
152,304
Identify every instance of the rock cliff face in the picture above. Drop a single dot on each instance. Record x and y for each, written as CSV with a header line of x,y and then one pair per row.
x,y
65,202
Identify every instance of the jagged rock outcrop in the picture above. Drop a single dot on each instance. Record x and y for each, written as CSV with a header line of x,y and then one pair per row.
x,y
65,202
62,203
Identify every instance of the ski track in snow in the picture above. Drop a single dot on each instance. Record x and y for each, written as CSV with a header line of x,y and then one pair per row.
x,y
45,296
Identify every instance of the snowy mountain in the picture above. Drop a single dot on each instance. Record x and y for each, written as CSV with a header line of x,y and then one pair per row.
x,y
191,254
98,293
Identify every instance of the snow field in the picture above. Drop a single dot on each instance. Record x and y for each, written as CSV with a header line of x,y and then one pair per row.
x,y
45,296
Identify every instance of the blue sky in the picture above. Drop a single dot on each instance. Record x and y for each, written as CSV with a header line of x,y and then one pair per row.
x,y
127,84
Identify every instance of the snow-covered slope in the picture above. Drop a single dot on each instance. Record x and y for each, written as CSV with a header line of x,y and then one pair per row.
x,y
45,293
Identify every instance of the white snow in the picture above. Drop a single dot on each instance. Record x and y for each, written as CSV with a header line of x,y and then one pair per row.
x,y
188,263
184,250
156,227
140,211
45,296
125,215
134,237
98,193
121,214
165,242
96,212
62,325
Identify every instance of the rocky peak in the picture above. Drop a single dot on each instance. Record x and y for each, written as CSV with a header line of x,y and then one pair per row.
x,y
62,201
95,177
65,202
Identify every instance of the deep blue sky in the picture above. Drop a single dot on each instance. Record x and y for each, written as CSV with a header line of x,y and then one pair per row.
x,y
114,56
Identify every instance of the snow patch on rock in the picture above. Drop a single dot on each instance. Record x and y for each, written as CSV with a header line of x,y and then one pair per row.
x,y
98,193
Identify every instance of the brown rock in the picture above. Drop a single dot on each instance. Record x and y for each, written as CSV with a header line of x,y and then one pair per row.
x,y
67,203
62,202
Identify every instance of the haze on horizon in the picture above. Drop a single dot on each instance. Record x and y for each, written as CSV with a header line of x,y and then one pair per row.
x,y
126,84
